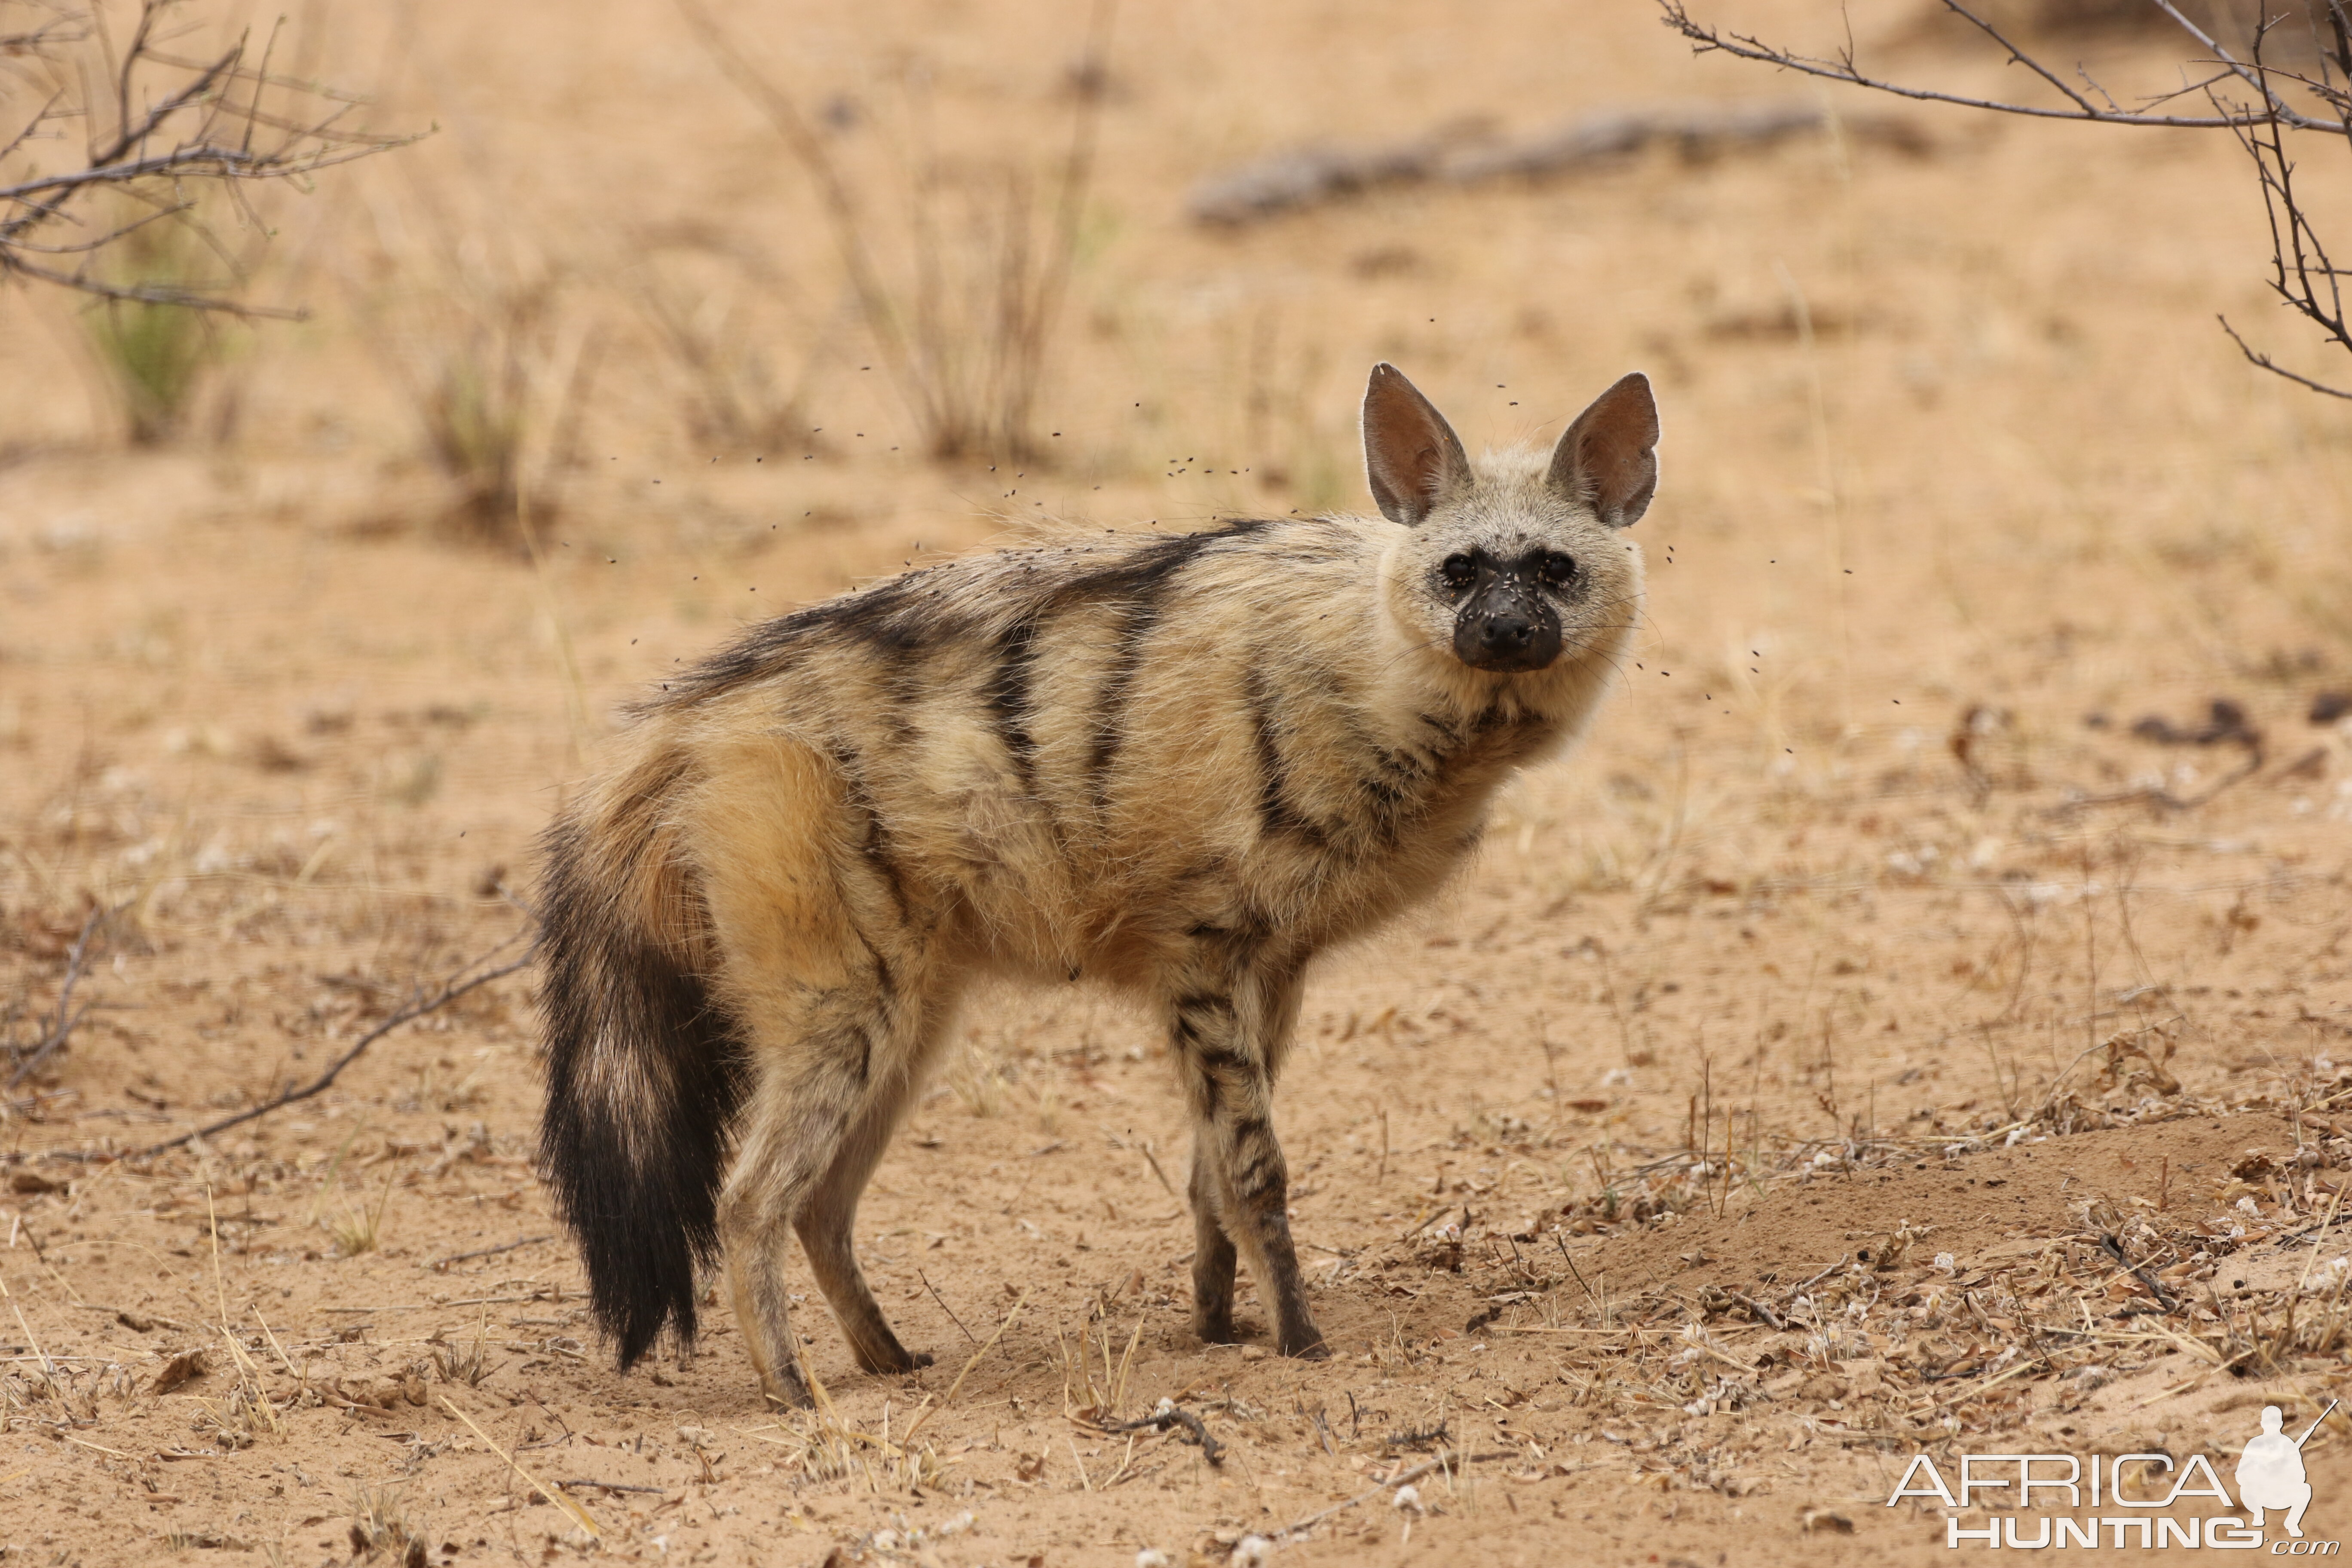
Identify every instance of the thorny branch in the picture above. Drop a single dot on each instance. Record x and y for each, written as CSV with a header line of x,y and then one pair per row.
x,y
418,1009
2249,98
178,127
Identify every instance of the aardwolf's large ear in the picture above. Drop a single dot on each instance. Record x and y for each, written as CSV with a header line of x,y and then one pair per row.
x,y
1605,460
1412,455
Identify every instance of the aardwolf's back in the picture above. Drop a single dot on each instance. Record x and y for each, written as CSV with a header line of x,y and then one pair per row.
x,y
1067,745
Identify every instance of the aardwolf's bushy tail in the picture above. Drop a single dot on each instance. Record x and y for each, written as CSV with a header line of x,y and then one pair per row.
x,y
643,1076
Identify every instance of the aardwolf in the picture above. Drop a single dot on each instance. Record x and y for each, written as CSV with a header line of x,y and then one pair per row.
x,y
1180,764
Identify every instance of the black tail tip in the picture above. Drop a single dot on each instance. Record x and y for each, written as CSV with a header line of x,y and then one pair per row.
x,y
639,1290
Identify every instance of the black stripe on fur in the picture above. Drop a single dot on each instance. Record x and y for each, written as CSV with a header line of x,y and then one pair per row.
x,y
1009,698
895,619
875,844
1144,585
636,1174
1278,815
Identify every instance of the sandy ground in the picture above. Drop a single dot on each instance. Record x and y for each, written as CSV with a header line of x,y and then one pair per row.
x,y
1754,1117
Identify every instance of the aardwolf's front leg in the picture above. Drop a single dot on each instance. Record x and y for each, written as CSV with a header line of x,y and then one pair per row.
x,y
1228,1046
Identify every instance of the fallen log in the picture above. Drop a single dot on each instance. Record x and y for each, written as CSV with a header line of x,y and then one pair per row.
x,y
1320,172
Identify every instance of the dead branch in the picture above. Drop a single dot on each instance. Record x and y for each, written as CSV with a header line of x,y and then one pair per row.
x,y
1174,1416
441,1264
62,1023
2263,361
1843,68
413,1011
1320,172
2301,275
204,126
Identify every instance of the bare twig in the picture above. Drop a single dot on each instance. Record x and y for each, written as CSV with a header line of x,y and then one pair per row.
x,y
906,1442
1152,1160
945,1307
440,1264
206,129
1450,1457
552,1494
2263,361
1843,67
61,1024
2165,798
318,1085
2302,274
1174,1416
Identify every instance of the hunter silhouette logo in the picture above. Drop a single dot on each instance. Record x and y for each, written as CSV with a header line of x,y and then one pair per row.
x,y
2269,1472
2148,1492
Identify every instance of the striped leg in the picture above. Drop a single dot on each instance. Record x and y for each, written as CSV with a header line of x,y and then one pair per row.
x,y
825,1224
1230,1044
838,1006
794,1126
1212,1252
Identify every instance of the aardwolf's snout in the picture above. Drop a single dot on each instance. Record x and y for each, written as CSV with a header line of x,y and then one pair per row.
x,y
1506,626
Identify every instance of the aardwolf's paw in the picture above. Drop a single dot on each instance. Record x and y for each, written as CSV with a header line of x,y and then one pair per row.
x,y
892,1360
787,1393
1309,1345
1214,1328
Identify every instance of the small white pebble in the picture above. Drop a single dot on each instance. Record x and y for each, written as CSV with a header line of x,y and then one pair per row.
x,y
1407,1498
1152,1557
1250,1551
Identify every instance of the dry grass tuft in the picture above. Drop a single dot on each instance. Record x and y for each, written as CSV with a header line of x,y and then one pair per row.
x,y
470,1363
963,304
481,400
157,356
382,1531
359,1227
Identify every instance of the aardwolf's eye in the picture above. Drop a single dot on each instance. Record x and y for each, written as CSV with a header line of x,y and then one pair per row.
x,y
1556,569
1460,571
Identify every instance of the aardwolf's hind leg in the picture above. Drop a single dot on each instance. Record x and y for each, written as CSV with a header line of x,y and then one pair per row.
x,y
826,1222
822,972
795,1126
819,1117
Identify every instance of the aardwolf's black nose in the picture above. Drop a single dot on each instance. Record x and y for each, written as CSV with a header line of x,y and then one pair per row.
x,y
1506,629
1506,635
